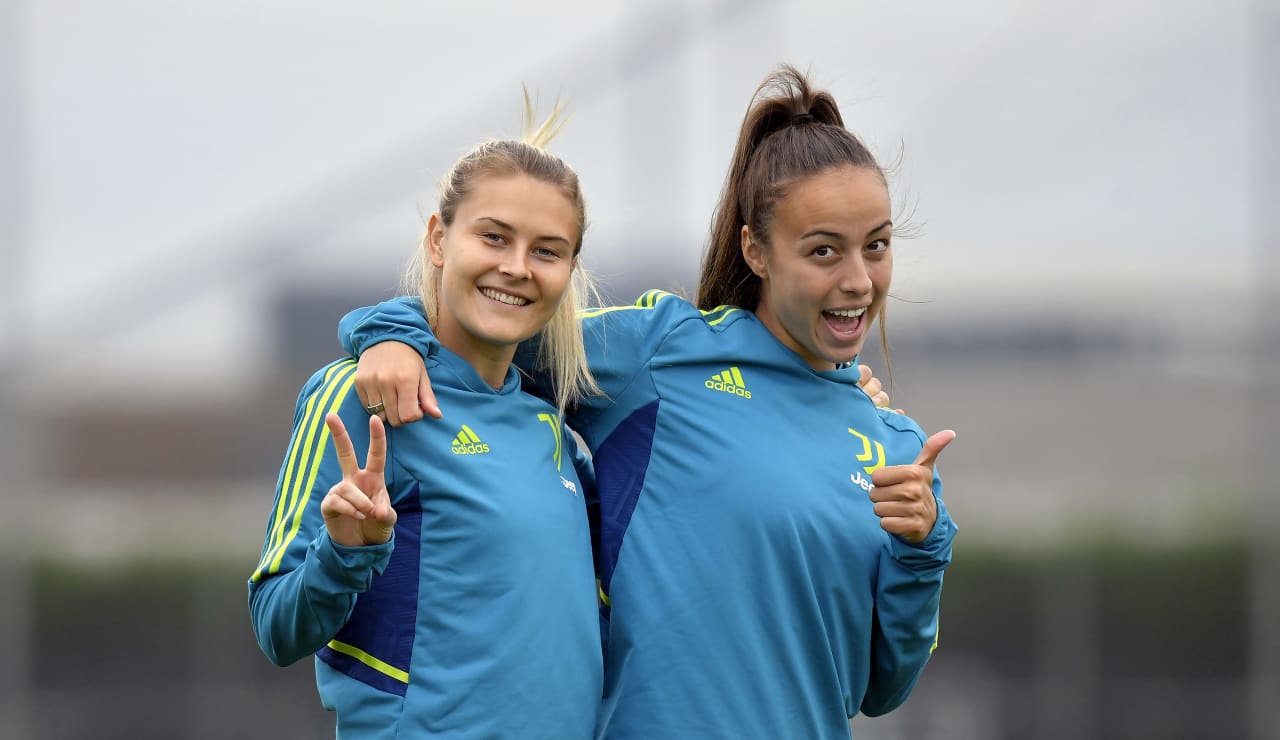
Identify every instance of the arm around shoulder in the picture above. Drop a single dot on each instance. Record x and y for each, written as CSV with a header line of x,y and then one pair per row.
x,y
397,320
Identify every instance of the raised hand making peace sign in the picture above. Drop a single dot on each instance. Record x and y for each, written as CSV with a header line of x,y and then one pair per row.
x,y
903,494
357,510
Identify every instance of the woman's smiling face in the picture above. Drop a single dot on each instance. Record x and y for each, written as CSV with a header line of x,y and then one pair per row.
x,y
505,263
826,270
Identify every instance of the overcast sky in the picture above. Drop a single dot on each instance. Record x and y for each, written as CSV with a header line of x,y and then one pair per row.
x,y
181,161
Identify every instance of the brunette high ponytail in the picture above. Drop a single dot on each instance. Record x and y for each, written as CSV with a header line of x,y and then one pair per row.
x,y
791,131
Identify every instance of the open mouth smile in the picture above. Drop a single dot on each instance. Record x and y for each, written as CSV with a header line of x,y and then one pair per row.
x,y
507,298
845,322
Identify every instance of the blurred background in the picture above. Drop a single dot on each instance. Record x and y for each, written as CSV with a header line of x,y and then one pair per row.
x,y
191,195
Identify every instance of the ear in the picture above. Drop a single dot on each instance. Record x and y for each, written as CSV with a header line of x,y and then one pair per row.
x,y
753,253
434,242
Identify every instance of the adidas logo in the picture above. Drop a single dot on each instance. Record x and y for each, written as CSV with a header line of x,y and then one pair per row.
x,y
729,381
467,443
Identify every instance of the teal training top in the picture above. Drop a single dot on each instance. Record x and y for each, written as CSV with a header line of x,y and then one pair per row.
x,y
751,592
479,619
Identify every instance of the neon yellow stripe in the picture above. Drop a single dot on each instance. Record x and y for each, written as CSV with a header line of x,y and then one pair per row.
x,y
737,376
470,434
288,491
648,301
936,631
645,302
384,668
554,423
604,597
314,419
459,440
305,490
726,315
294,446
593,312
284,485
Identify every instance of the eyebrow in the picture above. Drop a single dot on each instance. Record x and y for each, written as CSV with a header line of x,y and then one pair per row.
x,y
834,235
881,227
509,227
823,232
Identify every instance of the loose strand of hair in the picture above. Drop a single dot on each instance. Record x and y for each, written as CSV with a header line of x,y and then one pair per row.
x,y
541,135
884,347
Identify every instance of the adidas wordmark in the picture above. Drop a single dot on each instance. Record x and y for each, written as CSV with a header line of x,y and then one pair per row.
x,y
729,381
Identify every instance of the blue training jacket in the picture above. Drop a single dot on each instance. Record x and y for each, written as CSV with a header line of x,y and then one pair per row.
x,y
480,618
750,590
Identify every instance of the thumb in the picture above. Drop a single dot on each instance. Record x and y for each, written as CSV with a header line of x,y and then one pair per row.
x,y
386,521
427,397
384,514
933,446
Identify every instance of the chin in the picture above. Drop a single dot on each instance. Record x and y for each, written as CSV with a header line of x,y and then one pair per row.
x,y
842,356
501,332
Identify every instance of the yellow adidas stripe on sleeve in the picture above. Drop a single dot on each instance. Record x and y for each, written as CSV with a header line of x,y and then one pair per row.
x,y
287,488
647,300
292,456
651,298
727,312
311,438
318,455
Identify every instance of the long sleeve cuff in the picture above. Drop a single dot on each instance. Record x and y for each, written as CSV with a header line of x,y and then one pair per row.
x,y
933,550
344,569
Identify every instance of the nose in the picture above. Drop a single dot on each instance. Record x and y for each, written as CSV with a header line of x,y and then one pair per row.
x,y
516,263
854,278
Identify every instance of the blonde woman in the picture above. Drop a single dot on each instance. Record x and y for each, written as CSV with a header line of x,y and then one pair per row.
x,y
446,588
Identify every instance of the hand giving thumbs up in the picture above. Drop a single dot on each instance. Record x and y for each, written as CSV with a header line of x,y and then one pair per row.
x,y
903,494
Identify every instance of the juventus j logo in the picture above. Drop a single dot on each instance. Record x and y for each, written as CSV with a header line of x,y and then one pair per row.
x,y
865,455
